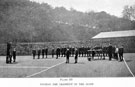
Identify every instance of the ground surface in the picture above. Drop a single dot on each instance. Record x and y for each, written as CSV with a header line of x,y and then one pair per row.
x,y
40,68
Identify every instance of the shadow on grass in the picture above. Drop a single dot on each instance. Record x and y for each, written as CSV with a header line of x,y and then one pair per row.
x,y
12,63
76,63
44,58
129,60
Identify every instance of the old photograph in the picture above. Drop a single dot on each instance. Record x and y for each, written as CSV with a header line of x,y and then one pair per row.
x,y
67,38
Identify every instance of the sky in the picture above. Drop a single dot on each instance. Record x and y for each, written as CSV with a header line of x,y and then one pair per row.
x,y
113,7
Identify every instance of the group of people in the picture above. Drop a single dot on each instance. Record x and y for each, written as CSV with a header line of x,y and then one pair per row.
x,y
43,52
90,52
68,53
115,52
11,53
59,52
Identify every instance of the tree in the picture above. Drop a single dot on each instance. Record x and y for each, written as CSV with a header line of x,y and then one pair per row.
x,y
129,12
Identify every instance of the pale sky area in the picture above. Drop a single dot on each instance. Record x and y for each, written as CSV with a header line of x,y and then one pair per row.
x,y
113,7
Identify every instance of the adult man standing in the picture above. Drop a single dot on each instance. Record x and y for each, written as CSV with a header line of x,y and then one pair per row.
x,y
80,51
14,54
76,55
103,52
110,52
121,50
73,51
46,52
8,57
39,52
67,55
93,53
57,53
116,52
65,51
62,51
52,52
34,53
43,52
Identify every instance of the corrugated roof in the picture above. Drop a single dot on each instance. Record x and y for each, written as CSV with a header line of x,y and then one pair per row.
x,y
114,34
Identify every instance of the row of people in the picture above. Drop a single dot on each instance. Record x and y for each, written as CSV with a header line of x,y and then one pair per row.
x,y
43,52
61,52
67,53
100,52
110,51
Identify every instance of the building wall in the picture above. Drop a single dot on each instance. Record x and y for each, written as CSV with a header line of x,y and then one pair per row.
x,y
127,42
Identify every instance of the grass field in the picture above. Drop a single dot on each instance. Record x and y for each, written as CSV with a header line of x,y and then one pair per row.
x,y
26,67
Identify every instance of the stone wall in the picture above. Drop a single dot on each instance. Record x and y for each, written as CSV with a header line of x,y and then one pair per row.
x,y
26,48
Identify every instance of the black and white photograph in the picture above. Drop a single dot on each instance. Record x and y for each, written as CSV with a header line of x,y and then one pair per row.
x,y
67,39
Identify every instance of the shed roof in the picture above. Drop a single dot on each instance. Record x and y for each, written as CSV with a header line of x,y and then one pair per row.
x,y
114,34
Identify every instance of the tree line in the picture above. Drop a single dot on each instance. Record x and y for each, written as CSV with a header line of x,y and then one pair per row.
x,y
26,21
